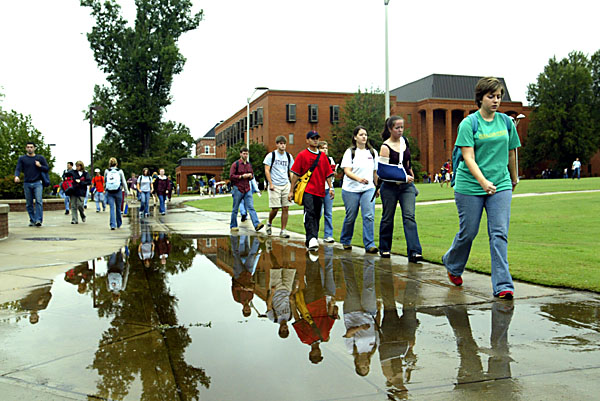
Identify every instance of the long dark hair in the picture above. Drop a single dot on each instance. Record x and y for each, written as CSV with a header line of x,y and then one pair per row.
x,y
354,133
389,124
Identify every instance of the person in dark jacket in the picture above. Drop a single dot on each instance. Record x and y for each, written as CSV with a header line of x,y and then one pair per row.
x,y
32,166
81,180
161,189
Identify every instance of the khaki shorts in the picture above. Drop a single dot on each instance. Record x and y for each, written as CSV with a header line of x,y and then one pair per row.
x,y
282,279
279,196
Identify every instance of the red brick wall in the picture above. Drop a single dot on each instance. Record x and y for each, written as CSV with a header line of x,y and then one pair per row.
x,y
19,205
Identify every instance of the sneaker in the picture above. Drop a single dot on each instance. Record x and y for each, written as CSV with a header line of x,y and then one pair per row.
x,y
269,229
83,219
85,206
235,229
372,249
112,228
456,280
259,227
415,258
329,240
284,234
66,212
506,295
347,247
97,211
38,223
31,224
385,254
313,244
244,217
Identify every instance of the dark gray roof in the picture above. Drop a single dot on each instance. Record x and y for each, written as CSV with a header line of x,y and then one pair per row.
x,y
196,162
441,86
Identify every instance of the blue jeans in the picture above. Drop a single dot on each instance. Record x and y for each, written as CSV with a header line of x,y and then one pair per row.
x,y
144,202
162,208
327,212
87,195
238,198
577,172
114,203
352,201
406,194
100,199
33,190
243,211
65,197
470,208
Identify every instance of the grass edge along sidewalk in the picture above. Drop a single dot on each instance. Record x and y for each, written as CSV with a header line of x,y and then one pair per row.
x,y
427,192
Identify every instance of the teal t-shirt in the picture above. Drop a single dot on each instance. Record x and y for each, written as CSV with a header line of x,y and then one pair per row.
x,y
491,144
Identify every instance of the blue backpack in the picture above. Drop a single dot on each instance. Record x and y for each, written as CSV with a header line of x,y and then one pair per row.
x,y
456,152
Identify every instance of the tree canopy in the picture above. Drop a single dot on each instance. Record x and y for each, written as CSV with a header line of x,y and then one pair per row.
x,y
139,63
565,116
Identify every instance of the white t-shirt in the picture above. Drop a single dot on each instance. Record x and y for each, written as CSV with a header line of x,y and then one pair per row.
x,y
576,164
280,167
364,340
363,166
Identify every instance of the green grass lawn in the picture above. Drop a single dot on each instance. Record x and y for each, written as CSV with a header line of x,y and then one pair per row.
x,y
427,192
553,240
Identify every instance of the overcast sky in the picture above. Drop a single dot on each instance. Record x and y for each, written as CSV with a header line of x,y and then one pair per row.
x,y
47,69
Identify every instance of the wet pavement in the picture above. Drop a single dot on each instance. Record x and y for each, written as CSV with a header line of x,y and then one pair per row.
x,y
183,310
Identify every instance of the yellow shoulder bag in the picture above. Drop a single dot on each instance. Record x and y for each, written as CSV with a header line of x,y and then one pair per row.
x,y
303,182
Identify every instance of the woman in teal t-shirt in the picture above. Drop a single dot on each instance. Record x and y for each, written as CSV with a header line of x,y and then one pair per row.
x,y
485,180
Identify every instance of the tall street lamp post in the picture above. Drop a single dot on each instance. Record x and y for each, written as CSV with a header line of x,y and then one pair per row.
x,y
387,74
258,88
517,120
92,109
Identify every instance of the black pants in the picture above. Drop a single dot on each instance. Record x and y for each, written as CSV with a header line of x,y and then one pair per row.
x,y
312,215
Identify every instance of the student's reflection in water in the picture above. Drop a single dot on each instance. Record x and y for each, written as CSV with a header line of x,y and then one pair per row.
x,y
397,332
282,290
245,260
80,276
36,301
146,247
361,314
118,273
163,247
470,368
315,311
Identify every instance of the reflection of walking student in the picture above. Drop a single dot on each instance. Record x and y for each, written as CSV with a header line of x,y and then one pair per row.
x,y
280,300
313,194
483,181
360,165
32,166
395,147
277,172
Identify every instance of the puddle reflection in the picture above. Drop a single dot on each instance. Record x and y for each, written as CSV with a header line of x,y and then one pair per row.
x,y
161,317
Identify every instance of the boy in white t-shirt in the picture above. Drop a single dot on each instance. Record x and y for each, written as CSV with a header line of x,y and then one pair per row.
x,y
277,172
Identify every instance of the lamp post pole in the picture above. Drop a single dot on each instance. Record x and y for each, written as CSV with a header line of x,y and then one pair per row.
x,y
92,108
258,88
387,74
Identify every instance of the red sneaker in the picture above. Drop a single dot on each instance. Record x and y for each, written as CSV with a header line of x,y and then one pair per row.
x,y
456,280
506,295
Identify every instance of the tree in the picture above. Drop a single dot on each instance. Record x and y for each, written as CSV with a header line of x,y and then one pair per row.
x,y
140,63
16,130
366,109
257,153
562,123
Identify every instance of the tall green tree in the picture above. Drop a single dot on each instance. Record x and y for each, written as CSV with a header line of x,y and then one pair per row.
x,y
139,63
366,108
562,122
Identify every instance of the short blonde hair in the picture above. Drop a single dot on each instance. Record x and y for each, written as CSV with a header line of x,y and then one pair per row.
x,y
486,85
320,144
80,163
112,162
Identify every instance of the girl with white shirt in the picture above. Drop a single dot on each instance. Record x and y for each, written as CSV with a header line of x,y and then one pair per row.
x,y
360,166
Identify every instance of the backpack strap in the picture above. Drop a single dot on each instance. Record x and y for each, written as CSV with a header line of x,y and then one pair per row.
x,y
273,158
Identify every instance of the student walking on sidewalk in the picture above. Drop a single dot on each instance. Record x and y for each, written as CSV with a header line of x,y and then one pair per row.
x,y
32,166
115,184
313,194
240,175
81,180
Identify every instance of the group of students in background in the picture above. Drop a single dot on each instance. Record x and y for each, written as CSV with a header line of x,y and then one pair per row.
x,y
486,175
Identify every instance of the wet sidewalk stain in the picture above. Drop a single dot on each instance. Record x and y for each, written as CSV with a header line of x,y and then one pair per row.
x,y
169,317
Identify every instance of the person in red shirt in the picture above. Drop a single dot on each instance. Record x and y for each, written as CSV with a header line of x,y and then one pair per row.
x,y
313,194
98,184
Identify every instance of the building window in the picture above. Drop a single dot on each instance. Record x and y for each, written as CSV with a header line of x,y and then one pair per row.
x,y
207,150
251,122
259,116
290,113
254,118
291,139
313,113
334,114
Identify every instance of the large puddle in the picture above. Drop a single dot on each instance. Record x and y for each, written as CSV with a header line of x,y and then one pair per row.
x,y
246,317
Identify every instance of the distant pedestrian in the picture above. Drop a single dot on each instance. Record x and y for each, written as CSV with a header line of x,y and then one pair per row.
x,y
314,193
485,179
212,186
161,189
171,187
395,148
576,169
62,192
132,187
81,180
358,189
153,193
327,208
32,166
241,174
144,186
115,185
277,172
99,195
